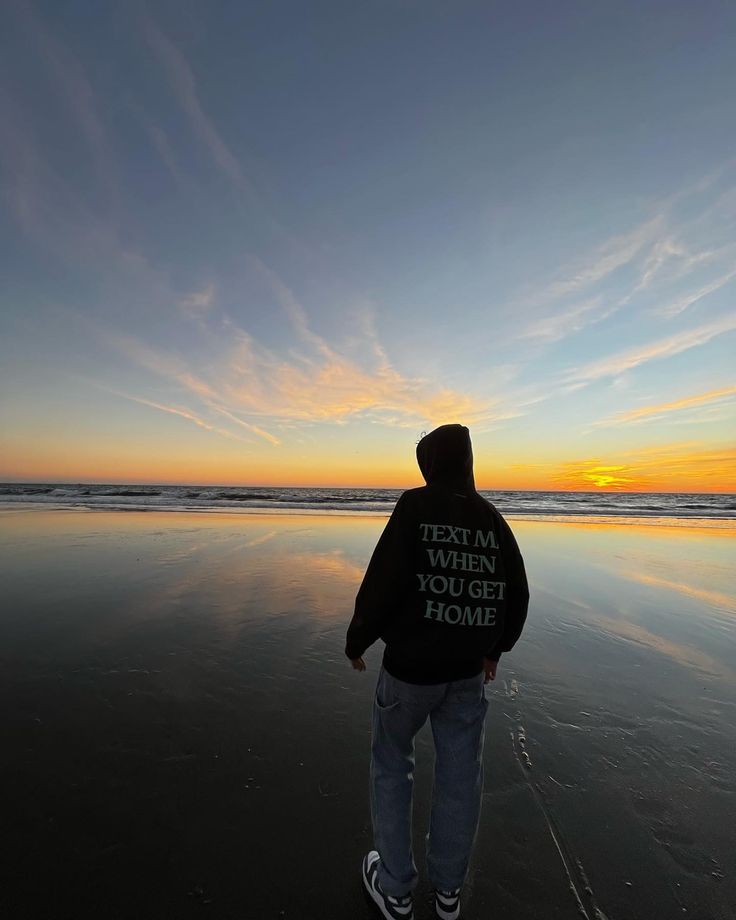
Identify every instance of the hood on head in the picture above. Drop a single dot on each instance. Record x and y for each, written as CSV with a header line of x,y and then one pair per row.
x,y
445,456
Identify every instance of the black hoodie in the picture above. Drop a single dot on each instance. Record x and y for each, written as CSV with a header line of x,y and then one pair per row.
x,y
446,586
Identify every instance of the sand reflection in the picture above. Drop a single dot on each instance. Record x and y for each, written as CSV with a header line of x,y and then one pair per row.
x,y
677,652
713,598
669,589
234,582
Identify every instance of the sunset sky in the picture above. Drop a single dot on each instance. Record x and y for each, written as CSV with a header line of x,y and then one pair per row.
x,y
272,243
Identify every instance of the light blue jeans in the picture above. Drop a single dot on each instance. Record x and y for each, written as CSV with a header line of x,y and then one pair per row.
x,y
457,713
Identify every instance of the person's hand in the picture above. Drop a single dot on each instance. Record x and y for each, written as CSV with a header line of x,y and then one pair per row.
x,y
358,664
490,668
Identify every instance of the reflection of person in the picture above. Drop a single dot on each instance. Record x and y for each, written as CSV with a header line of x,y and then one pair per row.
x,y
446,591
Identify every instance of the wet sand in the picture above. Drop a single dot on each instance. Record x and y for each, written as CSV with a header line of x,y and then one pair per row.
x,y
183,736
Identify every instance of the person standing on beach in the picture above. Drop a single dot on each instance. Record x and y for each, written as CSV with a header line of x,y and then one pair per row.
x,y
447,592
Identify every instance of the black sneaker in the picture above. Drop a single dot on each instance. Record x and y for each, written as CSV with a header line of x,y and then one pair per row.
x,y
447,904
391,907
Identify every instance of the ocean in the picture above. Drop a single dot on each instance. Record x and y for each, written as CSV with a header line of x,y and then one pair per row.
x,y
121,497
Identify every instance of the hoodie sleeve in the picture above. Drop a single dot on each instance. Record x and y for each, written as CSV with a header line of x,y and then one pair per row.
x,y
384,582
517,592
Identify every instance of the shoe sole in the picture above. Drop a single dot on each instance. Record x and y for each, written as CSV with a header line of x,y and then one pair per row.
x,y
375,899
443,914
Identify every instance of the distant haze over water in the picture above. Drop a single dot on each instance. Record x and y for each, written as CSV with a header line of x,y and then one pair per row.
x,y
381,501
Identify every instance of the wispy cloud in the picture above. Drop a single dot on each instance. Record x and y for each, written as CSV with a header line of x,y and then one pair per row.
x,y
670,259
631,269
317,382
70,82
174,368
256,429
576,297
610,256
199,303
366,334
292,307
662,253
324,383
178,411
662,348
52,212
648,412
331,387
161,143
183,82
684,302
559,325
184,86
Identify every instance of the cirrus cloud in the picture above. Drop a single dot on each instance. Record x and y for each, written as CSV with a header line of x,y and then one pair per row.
x,y
688,402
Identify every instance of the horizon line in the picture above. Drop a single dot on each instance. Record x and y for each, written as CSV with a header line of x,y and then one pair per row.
x,y
69,482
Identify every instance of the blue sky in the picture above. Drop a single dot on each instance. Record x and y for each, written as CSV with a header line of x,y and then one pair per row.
x,y
273,242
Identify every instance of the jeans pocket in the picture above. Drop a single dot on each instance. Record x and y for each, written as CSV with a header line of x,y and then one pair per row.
x,y
386,707
385,698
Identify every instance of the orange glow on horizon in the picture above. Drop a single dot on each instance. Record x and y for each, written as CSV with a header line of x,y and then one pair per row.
x,y
684,467
680,476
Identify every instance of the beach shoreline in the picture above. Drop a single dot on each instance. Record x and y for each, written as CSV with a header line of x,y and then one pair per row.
x,y
726,526
182,721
